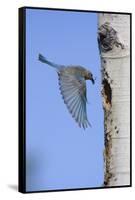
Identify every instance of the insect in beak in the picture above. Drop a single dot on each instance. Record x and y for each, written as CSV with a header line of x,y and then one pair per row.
x,y
93,80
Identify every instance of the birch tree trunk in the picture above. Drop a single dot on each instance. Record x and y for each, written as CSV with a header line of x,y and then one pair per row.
x,y
114,44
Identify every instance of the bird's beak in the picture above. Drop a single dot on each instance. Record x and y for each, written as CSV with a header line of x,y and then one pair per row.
x,y
93,81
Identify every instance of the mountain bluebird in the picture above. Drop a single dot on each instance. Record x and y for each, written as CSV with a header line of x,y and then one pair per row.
x,y
72,82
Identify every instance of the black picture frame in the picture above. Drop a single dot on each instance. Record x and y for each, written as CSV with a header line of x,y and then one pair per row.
x,y
22,100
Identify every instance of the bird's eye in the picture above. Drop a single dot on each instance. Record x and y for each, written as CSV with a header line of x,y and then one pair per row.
x,y
89,75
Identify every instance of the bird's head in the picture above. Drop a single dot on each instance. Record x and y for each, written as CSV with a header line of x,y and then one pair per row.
x,y
89,76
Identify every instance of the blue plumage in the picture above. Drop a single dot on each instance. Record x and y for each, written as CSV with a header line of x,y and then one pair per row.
x,y
72,82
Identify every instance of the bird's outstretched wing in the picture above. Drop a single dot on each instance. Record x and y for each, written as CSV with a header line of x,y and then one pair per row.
x,y
73,90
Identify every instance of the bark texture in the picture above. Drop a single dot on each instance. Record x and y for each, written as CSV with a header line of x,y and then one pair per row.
x,y
114,44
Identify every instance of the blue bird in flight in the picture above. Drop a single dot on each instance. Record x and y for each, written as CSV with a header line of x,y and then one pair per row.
x,y
72,82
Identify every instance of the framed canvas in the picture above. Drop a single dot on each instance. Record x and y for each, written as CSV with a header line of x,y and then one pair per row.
x,y
74,99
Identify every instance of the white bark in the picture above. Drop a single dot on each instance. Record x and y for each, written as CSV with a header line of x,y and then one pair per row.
x,y
115,66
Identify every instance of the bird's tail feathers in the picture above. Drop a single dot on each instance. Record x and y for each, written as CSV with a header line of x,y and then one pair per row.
x,y
43,59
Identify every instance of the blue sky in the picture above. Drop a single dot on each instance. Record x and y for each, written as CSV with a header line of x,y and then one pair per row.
x,y
60,155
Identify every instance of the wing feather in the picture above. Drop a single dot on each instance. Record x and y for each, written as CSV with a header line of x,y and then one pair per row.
x,y
73,90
